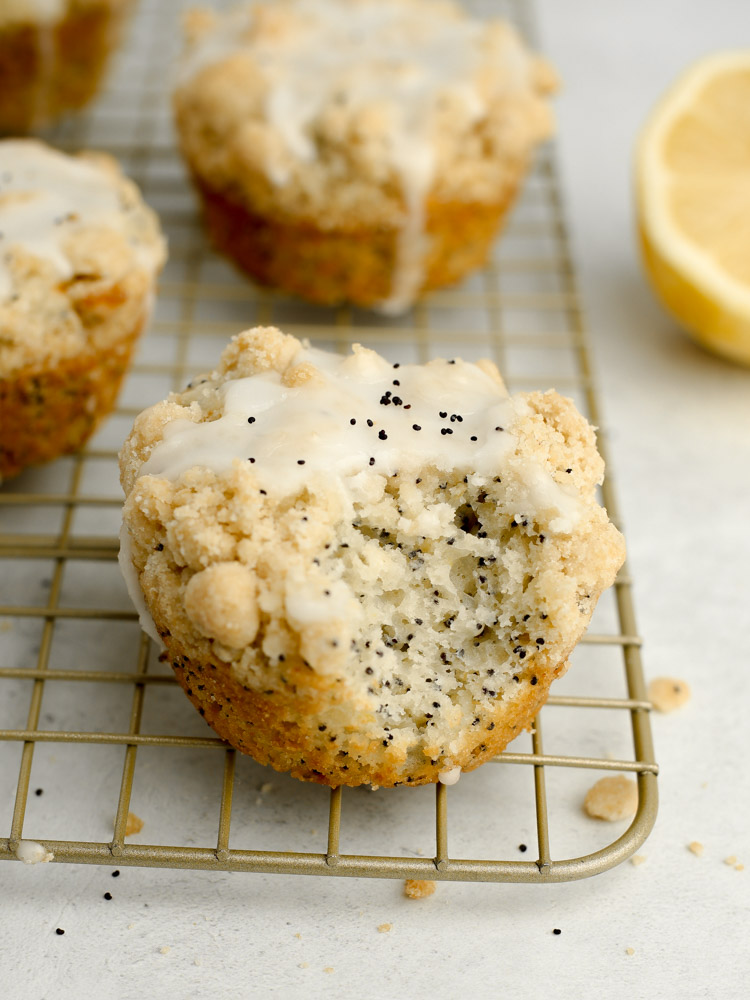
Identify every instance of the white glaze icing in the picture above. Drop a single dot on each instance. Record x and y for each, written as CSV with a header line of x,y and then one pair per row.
x,y
125,557
46,195
449,777
296,433
399,58
32,853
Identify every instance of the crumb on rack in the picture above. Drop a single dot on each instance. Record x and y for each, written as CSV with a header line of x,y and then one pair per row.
x,y
668,693
266,787
418,888
696,848
133,825
32,853
638,859
384,928
611,798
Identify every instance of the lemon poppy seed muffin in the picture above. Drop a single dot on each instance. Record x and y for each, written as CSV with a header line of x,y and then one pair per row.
x,y
364,572
53,55
79,256
357,150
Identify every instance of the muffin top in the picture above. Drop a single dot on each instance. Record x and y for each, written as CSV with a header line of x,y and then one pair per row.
x,y
75,238
302,418
348,112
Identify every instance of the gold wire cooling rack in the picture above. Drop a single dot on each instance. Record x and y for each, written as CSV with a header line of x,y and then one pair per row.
x,y
87,705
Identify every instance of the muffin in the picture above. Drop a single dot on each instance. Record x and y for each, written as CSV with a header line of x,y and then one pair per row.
x,y
357,150
79,256
364,572
53,55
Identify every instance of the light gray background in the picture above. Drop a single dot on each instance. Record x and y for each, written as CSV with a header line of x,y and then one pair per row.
x,y
679,422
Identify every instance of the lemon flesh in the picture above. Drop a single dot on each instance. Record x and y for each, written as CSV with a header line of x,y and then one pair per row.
x,y
693,202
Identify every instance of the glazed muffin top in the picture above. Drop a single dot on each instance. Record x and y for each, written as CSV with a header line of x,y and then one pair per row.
x,y
76,243
347,112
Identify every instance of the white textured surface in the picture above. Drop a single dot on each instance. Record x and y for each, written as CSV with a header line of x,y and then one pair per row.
x,y
678,420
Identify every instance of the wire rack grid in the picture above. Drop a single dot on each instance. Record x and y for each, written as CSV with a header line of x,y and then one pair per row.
x,y
86,704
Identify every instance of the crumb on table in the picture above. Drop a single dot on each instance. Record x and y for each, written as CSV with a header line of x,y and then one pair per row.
x,y
418,888
630,951
638,859
696,848
612,798
384,928
668,693
133,825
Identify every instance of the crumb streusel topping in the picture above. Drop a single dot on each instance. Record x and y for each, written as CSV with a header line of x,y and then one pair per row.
x,y
70,228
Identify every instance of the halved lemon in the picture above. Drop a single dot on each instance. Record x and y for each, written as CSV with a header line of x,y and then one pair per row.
x,y
693,201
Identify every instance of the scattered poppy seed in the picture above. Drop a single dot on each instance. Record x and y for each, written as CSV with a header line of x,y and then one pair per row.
x,y
59,930
557,931
108,895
